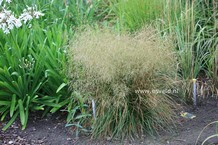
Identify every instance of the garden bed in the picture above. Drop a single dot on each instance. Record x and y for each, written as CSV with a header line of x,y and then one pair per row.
x,y
126,62
52,131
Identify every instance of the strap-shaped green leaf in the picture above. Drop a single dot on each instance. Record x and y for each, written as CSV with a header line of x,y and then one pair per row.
x,y
11,121
12,107
5,103
61,87
22,114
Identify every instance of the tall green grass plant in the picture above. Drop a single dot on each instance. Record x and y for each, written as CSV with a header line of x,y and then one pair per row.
x,y
193,27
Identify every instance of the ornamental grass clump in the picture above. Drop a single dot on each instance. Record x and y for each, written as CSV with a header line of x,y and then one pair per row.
x,y
126,76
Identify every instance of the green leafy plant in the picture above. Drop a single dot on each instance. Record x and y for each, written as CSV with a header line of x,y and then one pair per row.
x,y
213,70
195,36
133,15
85,12
32,75
78,113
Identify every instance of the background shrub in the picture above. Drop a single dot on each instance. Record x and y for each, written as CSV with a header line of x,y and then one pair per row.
x,y
111,68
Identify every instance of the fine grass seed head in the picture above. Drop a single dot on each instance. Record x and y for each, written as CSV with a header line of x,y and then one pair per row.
x,y
112,67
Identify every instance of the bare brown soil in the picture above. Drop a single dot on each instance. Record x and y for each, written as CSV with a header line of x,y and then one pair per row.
x,y
52,131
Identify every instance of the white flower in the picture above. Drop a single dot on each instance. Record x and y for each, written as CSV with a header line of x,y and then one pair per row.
x,y
5,28
25,17
37,14
8,21
6,31
10,26
18,23
8,1
2,17
7,12
30,8
29,13
4,25
12,21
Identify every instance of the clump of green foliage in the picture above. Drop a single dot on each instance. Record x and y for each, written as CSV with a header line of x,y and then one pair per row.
x,y
194,29
110,68
32,69
133,15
